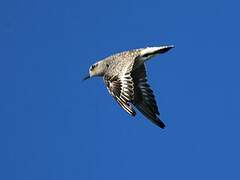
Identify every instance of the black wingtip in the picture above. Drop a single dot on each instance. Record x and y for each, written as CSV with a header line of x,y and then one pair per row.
x,y
159,123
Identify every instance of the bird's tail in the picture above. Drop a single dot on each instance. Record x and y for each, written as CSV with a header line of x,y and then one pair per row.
x,y
149,52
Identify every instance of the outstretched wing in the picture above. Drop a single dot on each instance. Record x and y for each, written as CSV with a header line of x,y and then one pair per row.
x,y
144,99
121,87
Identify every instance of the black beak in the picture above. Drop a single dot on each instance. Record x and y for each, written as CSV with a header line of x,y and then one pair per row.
x,y
87,77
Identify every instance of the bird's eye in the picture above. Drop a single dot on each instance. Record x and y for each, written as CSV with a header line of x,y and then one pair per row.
x,y
93,66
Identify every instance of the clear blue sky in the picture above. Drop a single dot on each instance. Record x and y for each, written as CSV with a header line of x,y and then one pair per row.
x,y
54,126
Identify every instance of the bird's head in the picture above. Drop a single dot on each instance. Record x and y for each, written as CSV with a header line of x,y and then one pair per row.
x,y
97,69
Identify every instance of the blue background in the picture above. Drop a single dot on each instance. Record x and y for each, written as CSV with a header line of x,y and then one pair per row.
x,y
54,126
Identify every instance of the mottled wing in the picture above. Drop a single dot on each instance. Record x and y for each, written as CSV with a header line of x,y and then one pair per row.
x,y
144,99
121,88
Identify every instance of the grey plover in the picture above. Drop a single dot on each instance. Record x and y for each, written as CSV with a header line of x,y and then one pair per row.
x,y
125,77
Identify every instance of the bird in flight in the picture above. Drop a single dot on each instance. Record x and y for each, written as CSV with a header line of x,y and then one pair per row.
x,y
125,76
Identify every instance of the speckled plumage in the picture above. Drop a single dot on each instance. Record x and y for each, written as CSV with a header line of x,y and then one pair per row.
x,y
125,76
119,61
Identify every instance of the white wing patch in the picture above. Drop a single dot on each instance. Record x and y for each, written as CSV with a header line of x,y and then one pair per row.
x,y
152,51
